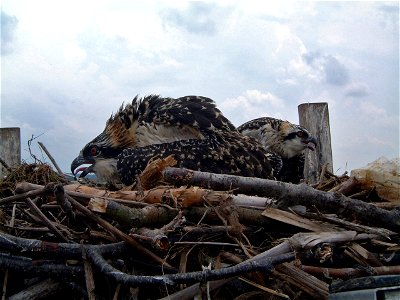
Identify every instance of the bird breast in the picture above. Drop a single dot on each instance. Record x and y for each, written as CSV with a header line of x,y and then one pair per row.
x,y
148,134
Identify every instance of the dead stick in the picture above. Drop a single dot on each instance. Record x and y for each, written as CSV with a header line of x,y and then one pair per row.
x,y
288,195
89,279
5,281
107,226
345,273
5,165
32,193
51,158
45,220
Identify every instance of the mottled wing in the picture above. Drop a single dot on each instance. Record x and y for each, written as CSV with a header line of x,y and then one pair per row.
x,y
230,154
292,169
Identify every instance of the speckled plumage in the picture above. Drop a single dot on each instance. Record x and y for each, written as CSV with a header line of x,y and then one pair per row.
x,y
191,128
285,142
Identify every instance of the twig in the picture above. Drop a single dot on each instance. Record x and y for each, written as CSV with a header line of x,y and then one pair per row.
x,y
207,243
5,165
311,285
29,147
107,226
63,202
61,173
45,220
271,291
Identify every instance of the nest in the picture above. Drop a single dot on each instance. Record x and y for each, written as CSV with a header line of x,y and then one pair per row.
x,y
181,233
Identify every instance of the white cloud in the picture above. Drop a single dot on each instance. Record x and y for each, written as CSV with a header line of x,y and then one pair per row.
x,y
252,104
372,110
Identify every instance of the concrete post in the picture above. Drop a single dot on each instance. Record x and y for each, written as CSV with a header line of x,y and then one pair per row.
x,y
315,117
10,148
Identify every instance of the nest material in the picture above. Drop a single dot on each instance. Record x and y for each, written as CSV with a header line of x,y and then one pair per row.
x,y
34,173
196,230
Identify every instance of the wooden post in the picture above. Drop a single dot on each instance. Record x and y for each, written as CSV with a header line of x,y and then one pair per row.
x,y
10,148
315,117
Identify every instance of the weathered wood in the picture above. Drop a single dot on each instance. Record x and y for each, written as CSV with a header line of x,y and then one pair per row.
x,y
289,195
315,117
134,217
43,289
10,148
51,158
315,288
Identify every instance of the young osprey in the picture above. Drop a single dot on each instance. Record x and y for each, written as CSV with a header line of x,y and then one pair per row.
x,y
191,128
285,141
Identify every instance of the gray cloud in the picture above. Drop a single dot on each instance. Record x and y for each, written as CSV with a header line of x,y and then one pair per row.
x,y
357,89
198,18
334,72
389,12
8,26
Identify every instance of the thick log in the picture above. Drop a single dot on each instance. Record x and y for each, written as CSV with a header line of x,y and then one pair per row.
x,y
289,195
315,117
184,196
134,217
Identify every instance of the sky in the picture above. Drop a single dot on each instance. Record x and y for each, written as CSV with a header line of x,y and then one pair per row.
x,y
66,66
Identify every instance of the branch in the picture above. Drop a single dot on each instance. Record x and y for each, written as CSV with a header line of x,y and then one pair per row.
x,y
288,195
266,265
5,165
27,265
346,273
134,217
107,226
52,159
40,248
45,220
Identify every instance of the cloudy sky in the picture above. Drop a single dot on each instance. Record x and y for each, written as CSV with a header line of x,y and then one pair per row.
x,y
67,65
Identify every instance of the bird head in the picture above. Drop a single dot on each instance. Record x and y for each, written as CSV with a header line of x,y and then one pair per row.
x,y
101,153
295,139
97,157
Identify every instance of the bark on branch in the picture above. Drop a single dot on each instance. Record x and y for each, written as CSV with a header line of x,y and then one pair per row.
x,y
288,195
134,217
266,265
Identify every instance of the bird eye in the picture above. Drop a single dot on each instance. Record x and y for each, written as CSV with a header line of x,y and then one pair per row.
x,y
94,151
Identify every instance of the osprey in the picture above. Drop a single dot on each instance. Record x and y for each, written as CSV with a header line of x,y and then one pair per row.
x,y
285,142
190,128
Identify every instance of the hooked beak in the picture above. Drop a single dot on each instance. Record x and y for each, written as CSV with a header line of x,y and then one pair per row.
x,y
311,143
80,164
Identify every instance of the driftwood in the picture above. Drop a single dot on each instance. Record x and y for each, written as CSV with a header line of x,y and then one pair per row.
x,y
288,195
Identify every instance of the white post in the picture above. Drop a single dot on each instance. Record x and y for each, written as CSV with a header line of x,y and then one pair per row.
x,y
10,148
315,117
